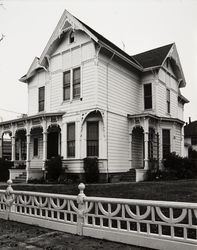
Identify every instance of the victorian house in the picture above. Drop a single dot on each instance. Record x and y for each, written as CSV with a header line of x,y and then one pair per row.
x,y
88,98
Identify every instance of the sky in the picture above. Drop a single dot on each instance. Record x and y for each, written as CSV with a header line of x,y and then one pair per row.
x,y
137,25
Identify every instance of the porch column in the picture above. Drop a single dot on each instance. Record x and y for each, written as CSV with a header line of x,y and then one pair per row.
x,y
146,151
27,156
13,148
130,148
44,149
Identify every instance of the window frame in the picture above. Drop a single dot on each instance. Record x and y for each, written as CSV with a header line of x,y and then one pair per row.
x,y
35,146
166,145
147,97
71,85
66,85
71,37
76,82
41,101
89,151
168,100
70,152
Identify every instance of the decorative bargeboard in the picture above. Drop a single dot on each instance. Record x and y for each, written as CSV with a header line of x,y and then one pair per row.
x,y
154,224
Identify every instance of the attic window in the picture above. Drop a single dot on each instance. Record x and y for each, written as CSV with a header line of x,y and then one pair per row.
x,y
71,37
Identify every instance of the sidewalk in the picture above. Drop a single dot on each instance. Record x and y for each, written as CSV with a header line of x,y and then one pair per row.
x,y
18,236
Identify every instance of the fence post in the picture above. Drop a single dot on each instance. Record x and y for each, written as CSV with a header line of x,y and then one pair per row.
x,y
81,209
9,199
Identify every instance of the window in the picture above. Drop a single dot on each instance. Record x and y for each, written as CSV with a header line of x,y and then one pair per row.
x,y
92,139
71,37
166,142
194,140
168,100
76,79
148,96
66,85
71,140
35,152
41,94
76,83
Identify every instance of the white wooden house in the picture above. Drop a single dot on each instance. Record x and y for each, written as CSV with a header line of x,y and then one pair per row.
x,y
88,98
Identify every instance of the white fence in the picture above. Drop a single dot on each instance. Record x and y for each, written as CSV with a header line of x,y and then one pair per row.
x,y
153,224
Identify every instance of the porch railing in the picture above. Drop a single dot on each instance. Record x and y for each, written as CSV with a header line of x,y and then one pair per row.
x,y
154,224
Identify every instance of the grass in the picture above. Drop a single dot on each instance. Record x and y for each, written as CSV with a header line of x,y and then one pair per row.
x,y
181,190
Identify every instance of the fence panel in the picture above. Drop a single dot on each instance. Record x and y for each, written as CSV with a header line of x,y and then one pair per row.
x,y
153,224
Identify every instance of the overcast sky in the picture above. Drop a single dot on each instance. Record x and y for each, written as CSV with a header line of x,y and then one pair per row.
x,y
139,24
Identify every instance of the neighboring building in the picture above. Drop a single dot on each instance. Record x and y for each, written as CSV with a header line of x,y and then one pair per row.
x,y
88,98
190,132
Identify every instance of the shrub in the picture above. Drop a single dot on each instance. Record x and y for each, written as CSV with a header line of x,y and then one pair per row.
x,y
177,167
91,170
54,168
4,168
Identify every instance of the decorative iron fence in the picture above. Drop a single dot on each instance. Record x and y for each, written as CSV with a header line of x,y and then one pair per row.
x,y
154,224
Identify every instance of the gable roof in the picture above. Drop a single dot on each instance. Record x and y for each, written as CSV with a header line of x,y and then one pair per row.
x,y
153,57
142,62
190,129
104,40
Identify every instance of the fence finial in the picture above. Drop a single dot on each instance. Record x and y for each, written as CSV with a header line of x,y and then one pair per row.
x,y
81,209
9,198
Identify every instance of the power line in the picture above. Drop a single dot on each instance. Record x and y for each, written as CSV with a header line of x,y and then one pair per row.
x,y
6,110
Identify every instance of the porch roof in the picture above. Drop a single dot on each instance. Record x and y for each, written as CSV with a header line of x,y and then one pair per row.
x,y
28,118
155,117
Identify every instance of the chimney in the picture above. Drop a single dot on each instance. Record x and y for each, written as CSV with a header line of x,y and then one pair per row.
x,y
190,120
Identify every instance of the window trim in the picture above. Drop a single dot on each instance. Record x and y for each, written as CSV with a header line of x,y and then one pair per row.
x,y
72,84
71,37
40,101
95,140
169,145
168,100
35,146
148,96
68,141
66,85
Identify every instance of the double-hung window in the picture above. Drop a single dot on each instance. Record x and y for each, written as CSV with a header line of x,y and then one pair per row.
x,y
76,83
92,139
71,140
148,96
41,97
35,147
166,142
66,85
168,100
71,84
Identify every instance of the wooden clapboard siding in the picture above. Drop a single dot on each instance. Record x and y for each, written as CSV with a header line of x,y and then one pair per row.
x,y
118,89
167,81
81,53
118,143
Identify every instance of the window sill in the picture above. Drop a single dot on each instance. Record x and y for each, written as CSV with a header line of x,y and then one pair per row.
x,y
73,100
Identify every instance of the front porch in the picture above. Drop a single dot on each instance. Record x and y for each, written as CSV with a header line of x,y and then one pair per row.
x,y
30,141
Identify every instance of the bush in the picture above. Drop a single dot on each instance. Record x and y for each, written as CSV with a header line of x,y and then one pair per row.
x,y
4,168
54,168
177,167
91,170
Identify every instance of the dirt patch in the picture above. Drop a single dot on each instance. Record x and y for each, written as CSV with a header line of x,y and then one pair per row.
x,y
20,236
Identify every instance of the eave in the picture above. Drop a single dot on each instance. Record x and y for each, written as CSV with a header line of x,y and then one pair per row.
x,y
28,118
155,117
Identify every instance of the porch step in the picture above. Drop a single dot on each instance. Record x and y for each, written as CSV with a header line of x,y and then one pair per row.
x,y
21,178
129,176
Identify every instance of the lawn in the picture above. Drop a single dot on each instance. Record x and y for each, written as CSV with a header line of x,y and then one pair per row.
x,y
181,190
